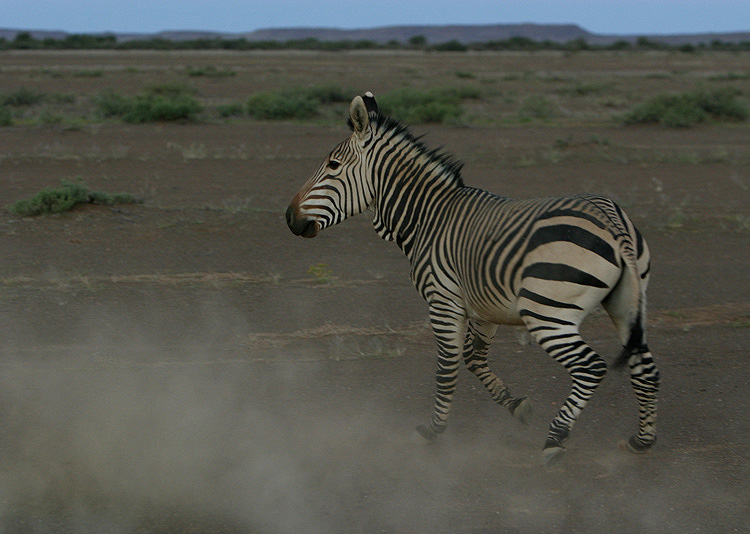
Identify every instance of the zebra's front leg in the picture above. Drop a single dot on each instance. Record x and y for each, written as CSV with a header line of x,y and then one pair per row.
x,y
479,335
449,327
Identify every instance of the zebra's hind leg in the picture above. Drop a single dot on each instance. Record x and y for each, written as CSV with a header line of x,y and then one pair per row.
x,y
586,368
644,377
479,335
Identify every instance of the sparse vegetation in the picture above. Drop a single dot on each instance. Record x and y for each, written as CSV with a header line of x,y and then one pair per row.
x,y
22,96
686,109
5,117
320,272
209,71
538,107
168,102
438,105
65,198
281,106
298,103
226,111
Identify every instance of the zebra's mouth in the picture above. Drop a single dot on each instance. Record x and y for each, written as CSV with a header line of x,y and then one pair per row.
x,y
301,227
310,229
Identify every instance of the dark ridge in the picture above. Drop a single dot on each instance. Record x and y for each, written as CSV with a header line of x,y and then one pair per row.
x,y
465,34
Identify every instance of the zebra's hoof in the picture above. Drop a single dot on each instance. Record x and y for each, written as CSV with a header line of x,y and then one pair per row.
x,y
552,456
520,408
635,446
427,433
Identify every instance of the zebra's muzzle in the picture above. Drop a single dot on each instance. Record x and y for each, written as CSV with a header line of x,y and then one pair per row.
x,y
300,226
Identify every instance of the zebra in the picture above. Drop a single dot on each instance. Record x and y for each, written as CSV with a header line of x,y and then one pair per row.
x,y
481,260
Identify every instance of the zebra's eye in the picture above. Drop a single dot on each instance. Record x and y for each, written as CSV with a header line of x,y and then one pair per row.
x,y
333,164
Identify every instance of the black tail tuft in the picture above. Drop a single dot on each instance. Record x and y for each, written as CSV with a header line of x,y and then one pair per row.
x,y
635,344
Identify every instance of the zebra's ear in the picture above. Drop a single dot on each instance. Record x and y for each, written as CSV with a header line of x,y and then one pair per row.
x,y
370,104
359,118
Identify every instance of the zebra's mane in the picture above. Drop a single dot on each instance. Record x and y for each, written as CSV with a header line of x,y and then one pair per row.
x,y
451,166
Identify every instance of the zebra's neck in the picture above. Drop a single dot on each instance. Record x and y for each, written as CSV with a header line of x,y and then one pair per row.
x,y
411,183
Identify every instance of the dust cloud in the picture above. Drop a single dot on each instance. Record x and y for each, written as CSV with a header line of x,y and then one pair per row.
x,y
133,437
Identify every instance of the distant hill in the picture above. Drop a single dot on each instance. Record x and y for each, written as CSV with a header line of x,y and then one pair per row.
x,y
559,33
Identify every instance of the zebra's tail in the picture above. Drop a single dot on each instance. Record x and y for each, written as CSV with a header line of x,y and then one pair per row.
x,y
636,342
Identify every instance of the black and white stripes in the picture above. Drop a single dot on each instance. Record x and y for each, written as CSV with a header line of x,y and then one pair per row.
x,y
481,260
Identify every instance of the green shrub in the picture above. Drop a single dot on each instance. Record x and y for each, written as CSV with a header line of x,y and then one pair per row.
x,y
298,103
686,109
281,106
537,107
230,110
209,71
157,108
97,73
437,105
65,198
22,97
167,102
327,94
110,104
5,117
585,89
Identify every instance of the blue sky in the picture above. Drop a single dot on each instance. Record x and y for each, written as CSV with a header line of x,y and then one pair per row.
x,y
599,16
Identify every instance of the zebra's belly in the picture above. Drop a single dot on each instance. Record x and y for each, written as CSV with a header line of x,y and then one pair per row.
x,y
497,314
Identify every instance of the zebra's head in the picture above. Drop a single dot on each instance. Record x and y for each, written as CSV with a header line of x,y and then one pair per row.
x,y
341,187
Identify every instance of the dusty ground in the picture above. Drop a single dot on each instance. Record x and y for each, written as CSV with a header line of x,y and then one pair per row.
x,y
173,367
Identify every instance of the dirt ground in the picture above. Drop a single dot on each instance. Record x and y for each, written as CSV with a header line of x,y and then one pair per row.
x,y
175,366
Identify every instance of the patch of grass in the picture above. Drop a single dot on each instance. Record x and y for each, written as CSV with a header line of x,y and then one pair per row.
x,y
89,73
437,105
730,77
65,198
226,111
585,89
160,103
687,109
281,106
320,273
209,71
22,97
62,98
5,117
295,104
327,94
538,107
409,105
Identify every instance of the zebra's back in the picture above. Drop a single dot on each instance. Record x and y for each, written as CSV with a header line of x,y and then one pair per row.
x,y
500,250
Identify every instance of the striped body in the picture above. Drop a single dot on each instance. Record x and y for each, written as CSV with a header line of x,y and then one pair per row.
x,y
481,260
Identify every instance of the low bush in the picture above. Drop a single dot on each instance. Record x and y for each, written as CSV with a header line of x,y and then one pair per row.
x,y
686,109
159,103
226,111
6,119
22,97
209,71
65,198
538,107
298,103
410,105
437,105
282,106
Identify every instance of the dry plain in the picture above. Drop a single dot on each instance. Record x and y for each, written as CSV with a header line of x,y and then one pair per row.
x,y
176,365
